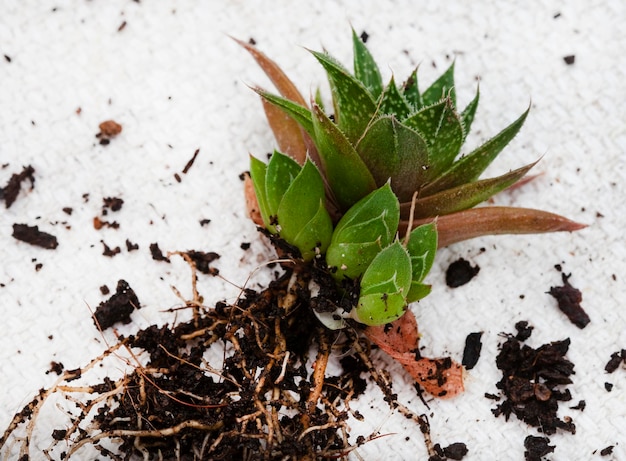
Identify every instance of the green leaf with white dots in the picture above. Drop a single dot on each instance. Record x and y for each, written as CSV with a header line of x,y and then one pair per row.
x,y
354,105
442,87
365,68
471,166
393,102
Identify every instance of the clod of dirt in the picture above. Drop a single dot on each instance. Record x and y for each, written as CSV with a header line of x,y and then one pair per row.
x,y
32,235
607,451
569,59
117,308
617,358
536,447
531,383
569,299
157,254
471,353
460,272
9,192
454,451
108,251
109,128
111,203
202,261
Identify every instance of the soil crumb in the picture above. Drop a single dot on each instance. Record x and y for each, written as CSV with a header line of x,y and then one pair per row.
x,y
203,260
10,192
460,272
569,299
471,353
117,308
32,235
532,381
537,447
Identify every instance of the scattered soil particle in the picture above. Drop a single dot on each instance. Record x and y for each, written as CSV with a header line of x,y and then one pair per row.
x,y
537,447
156,253
32,235
569,299
471,353
569,59
117,308
364,36
617,358
122,26
524,330
460,272
205,222
190,162
104,290
109,129
202,261
607,451
99,224
68,210
10,192
581,405
608,386
531,382
111,203
56,367
130,246
245,246
454,451
108,251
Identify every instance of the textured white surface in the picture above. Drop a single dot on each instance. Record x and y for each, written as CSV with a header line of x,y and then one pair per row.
x,y
176,83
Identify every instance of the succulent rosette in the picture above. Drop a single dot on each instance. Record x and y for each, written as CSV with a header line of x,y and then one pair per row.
x,y
376,187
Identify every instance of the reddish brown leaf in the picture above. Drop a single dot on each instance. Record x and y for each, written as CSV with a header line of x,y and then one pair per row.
x,y
440,377
476,222
287,132
252,205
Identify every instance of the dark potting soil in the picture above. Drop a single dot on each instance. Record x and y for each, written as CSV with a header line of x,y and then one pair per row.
x,y
533,383
10,192
569,299
118,308
460,272
32,235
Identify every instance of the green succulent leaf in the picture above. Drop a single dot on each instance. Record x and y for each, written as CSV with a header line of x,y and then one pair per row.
x,y
471,166
418,291
384,287
365,68
353,103
302,218
393,102
393,150
280,173
347,174
441,88
422,247
366,228
258,171
465,196
467,116
441,127
412,93
314,237
299,113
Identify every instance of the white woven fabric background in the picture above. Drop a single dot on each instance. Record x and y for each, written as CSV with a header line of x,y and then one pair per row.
x,y
176,83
